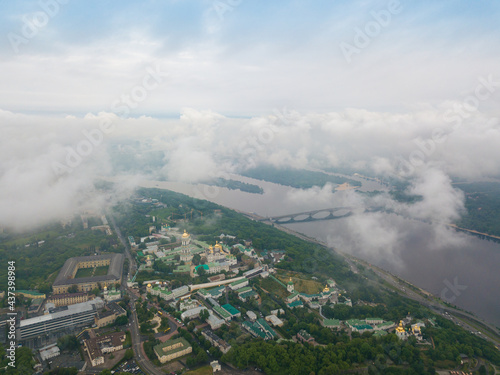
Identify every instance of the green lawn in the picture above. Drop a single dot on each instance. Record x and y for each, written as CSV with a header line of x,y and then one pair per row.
x,y
205,370
97,271
84,272
300,282
101,271
273,287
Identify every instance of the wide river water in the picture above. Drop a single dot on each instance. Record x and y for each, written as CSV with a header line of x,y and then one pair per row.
x,y
458,267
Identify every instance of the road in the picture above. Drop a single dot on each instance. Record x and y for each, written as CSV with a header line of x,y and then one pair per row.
x,y
132,265
140,357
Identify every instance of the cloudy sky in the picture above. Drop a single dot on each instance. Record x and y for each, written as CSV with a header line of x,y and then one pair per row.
x,y
190,89
244,58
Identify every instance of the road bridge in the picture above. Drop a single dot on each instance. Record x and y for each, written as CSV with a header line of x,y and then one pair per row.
x,y
317,215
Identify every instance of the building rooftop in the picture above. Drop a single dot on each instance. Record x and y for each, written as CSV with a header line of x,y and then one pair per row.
x,y
31,292
117,309
204,266
293,295
66,295
305,334
114,271
105,314
355,322
222,312
296,303
159,349
213,320
255,329
239,281
216,291
247,294
266,327
49,351
363,326
64,311
244,289
230,309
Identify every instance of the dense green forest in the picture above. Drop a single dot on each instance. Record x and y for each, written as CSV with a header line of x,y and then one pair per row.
x,y
293,358
297,178
24,362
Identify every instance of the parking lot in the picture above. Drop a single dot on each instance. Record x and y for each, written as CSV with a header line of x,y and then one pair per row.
x,y
130,367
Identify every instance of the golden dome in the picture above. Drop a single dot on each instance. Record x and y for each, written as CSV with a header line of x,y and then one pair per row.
x,y
185,235
400,327
326,290
149,285
211,249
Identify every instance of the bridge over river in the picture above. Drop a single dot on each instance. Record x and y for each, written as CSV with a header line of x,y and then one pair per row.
x,y
317,215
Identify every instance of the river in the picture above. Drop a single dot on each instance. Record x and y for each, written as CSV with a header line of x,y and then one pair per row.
x,y
460,268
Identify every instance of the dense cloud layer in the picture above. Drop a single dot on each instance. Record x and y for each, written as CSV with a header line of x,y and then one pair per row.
x,y
49,164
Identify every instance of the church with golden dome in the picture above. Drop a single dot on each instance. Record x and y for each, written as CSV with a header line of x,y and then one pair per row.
x,y
214,253
401,332
186,253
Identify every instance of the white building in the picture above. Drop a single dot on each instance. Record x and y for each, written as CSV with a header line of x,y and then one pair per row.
x,y
252,316
186,255
192,313
188,304
214,322
163,293
49,351
289,286
217,252
215,366
277,312
238,284
111,295
180,291
274,320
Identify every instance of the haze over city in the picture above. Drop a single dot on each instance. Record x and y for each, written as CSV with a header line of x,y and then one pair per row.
x,y
179,94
